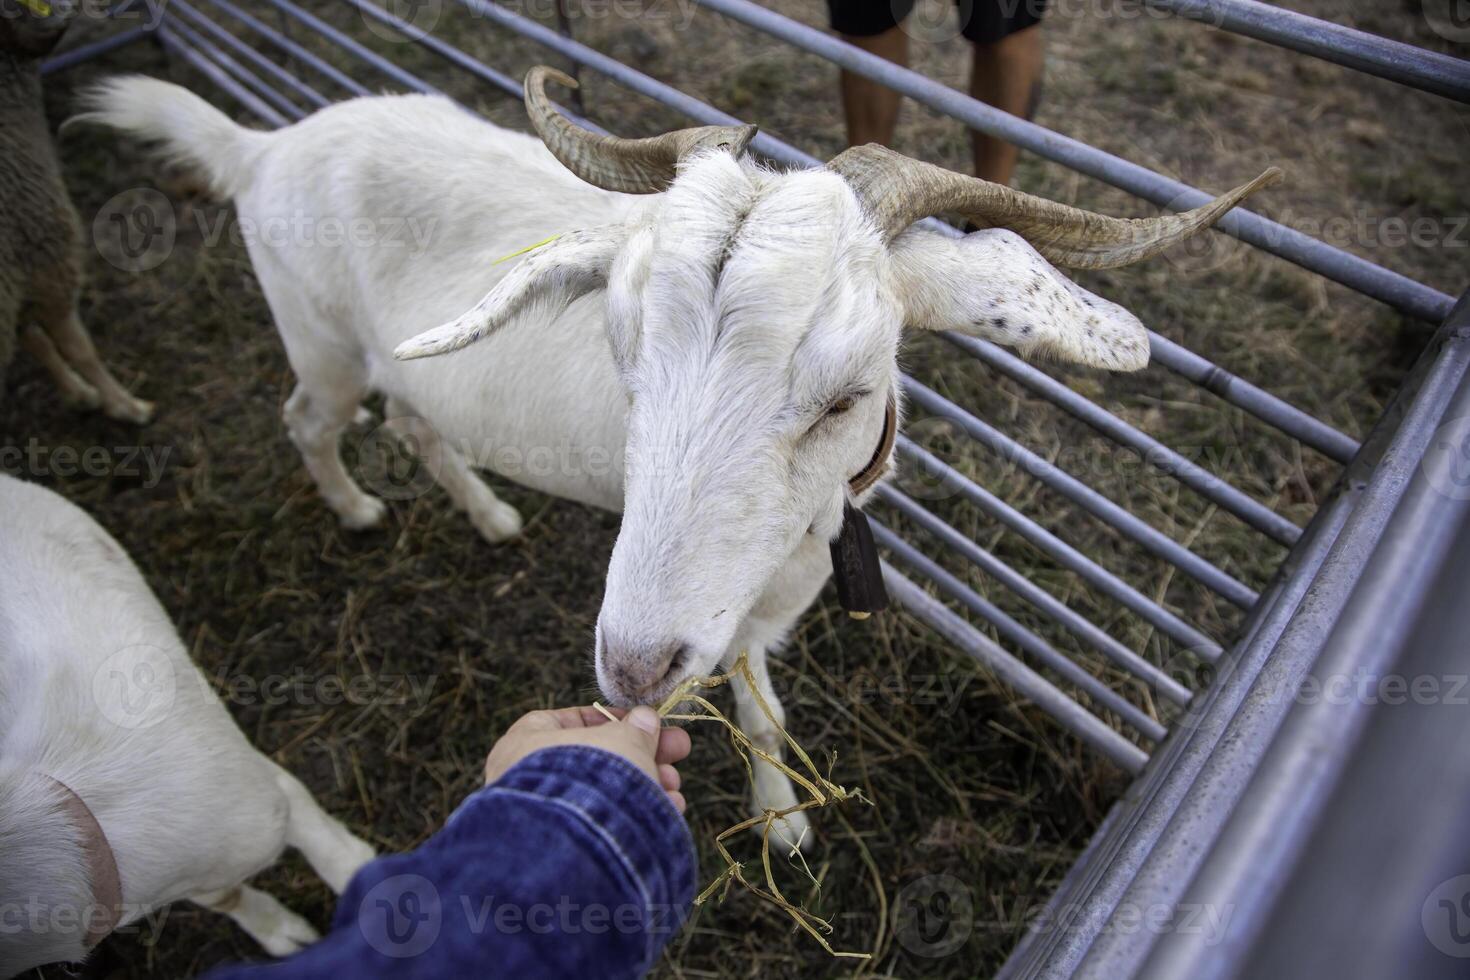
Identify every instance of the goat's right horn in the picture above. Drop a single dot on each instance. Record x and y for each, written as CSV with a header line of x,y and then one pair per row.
x,y
644,166
896,191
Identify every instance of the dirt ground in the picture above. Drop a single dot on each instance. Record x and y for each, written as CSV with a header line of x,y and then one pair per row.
x,y
380,666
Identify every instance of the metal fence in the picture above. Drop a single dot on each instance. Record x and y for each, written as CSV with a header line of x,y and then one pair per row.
x,y
1169,839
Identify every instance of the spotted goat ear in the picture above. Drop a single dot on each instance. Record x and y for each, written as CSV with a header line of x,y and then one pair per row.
x,y
544,279
993,284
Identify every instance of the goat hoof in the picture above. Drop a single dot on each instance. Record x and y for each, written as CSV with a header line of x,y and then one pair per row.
x,y
363,514
134,410
498,523
82,397
788,832
291,936
356,854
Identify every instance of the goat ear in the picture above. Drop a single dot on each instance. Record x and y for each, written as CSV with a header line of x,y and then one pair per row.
x,y
992,284
548,276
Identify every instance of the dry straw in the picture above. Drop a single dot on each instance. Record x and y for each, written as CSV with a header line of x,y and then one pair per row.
x,y
820,790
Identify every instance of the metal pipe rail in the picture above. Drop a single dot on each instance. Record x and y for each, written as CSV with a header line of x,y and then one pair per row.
x,y
1150,853
175,44
502,81
1155,453
289,46
392,70
1267,828
1064,554
1080,493
1382,284
239,72
245,51
1071,715
1084,629
1428,71
360,51
480,70
1132,829
1373,866
1019,635
1235,390
95,49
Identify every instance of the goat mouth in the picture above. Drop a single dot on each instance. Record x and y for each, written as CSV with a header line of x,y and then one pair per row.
x,y
653,695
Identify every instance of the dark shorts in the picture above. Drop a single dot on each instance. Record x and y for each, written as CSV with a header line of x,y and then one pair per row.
x,y
982,21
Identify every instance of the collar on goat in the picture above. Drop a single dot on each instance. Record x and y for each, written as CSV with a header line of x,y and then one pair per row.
x,y
855,566
101,867
873,472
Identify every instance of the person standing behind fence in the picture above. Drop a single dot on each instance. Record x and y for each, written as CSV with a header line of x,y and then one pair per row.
x,y
1006,35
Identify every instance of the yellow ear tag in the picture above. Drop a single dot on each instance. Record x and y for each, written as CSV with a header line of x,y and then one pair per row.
x,y
38,7
528,248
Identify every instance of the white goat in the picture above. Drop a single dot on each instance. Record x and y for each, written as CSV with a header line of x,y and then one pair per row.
x,y
124,783
730,377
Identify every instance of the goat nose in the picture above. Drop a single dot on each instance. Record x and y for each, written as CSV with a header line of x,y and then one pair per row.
x,y
639,674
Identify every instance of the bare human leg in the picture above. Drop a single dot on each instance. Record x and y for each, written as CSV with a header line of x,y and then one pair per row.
x,y
871,108
1007,75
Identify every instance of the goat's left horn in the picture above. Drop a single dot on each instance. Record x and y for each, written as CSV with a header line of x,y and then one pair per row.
x,y
897,191
644,166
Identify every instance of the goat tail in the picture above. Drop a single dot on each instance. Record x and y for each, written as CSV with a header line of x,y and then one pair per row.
x,y
189,130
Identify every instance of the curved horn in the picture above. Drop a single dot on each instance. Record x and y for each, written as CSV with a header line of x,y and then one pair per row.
x,y
644,166
897,191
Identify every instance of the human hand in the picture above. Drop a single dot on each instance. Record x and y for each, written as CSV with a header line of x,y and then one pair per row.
x,y
636,736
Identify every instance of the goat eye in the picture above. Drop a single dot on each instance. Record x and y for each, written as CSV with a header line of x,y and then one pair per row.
x,y
841,405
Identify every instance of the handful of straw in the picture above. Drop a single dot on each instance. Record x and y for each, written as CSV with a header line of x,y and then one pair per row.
x,y
821,792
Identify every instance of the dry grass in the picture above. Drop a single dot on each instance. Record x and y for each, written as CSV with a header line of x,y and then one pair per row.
x,y
966,779
690,703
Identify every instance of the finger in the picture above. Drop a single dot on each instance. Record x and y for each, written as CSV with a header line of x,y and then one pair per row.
x,y
677,798
647,723
669,778
673,745
593,715
557,719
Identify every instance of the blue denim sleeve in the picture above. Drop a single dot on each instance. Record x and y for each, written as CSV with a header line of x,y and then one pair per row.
x,y
572,864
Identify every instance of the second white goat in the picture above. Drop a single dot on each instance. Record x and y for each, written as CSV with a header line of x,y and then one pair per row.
x,y
125,785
